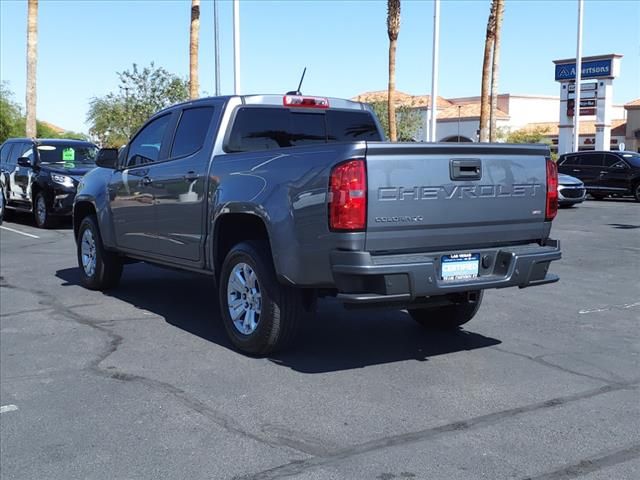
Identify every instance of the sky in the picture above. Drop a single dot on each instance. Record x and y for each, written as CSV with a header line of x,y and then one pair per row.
x,y
343,44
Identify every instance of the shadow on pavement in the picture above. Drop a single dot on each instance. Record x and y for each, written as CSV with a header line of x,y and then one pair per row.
x,y
336,339
23,218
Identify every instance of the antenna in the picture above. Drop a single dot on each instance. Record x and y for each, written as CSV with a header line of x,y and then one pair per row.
x,y
298,92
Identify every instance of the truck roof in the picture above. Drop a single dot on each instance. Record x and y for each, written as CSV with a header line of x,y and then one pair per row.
x,y
272,100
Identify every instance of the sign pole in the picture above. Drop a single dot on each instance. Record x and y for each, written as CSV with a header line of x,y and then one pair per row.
x,y
434,71
576,108
236,47
216,46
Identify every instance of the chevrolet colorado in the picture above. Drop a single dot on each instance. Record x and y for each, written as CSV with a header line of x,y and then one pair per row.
x,y
284,199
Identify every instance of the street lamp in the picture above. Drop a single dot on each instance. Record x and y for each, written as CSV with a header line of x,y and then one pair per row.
x,y
459,108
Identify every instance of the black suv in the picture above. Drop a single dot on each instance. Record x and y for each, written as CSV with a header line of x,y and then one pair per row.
x,y
41,175
604,173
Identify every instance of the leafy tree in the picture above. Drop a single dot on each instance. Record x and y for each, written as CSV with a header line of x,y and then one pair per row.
x,y
525,135
408,121
141,93
11,118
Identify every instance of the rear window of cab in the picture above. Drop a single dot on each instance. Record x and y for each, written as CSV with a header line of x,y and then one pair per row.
x,y
266,128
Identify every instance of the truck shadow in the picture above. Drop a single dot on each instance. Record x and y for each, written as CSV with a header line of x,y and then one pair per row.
x,y
335,339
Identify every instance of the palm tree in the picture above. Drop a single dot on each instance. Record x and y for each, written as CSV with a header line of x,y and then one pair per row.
x,y
32,62
495,67
486,70
193,49
393,28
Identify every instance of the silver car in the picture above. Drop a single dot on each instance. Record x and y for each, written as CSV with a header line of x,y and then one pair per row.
x,y
570,190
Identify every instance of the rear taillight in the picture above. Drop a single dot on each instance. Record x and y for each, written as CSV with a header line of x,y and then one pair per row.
x,y
552,190
348,196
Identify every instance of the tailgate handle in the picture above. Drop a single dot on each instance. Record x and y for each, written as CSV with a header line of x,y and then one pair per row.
x,y
465,169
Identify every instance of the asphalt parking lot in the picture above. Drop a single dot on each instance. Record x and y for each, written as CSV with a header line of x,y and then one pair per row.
x,y
141,383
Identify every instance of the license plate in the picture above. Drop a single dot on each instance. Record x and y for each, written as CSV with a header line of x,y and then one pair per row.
x,y
460,266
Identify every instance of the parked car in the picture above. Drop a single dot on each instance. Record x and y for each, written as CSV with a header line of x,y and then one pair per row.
x,y
570,190
604,173
41,176
284,199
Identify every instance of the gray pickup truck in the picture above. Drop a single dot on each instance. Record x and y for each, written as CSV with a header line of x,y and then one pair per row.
x,y
282,199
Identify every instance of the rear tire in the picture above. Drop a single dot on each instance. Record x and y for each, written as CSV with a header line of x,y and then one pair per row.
x,y
449,317
41,214
99,269
264,314
636,192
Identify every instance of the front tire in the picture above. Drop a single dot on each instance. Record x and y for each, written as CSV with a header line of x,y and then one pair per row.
x,y
260,315
636,192
41,214
449,317
99,269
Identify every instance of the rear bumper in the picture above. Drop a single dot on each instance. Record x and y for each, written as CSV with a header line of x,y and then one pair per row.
x,y
363,278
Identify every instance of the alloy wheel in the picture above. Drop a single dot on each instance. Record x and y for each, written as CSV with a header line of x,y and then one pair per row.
x,y
244,298
88,253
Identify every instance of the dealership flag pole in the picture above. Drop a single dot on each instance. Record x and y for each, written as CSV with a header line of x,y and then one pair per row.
x,y
216,46
576,104
236,47
434,71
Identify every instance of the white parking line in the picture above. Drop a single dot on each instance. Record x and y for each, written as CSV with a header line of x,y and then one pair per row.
x,y
19,232
8,408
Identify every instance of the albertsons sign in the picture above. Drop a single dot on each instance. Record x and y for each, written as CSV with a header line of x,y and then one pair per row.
x,y
594,69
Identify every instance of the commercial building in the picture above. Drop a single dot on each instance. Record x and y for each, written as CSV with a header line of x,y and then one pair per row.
x,y
459,118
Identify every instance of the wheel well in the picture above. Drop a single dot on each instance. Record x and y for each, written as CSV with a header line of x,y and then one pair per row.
x,y
232,229
80,211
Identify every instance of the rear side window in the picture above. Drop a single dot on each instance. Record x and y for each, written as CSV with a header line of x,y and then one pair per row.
x,y
591,160
269,128
192,131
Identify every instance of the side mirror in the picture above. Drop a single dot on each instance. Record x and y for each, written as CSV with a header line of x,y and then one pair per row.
x,y
620,166
107,158
24,162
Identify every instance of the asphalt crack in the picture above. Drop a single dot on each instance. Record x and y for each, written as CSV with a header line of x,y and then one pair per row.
x,y
301,466
591,465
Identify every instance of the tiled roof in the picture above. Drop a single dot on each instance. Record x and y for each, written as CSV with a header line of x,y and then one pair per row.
x,y
587,127
402,99
53,127
467,110
633,104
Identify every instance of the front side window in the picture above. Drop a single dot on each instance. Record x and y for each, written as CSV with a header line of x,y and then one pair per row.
x,y
192,131
4,153
610,160
145,148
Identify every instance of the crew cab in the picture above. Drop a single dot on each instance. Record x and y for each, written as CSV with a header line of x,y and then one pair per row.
x,y
40,176
282,199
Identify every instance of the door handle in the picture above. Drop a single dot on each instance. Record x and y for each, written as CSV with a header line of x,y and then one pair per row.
x,y
191,176
602,173
576,170
146,181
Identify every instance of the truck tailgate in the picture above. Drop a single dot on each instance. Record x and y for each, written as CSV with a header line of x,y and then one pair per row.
x,y
424,197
